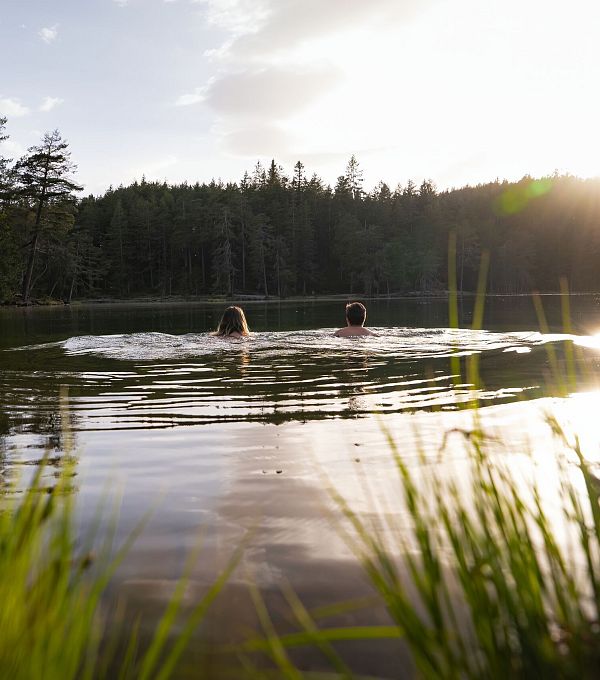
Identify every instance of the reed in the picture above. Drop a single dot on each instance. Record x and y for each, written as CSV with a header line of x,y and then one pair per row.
x,y
491,575
53,623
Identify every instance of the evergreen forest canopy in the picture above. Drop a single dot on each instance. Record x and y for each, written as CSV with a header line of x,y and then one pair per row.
x,y
275,235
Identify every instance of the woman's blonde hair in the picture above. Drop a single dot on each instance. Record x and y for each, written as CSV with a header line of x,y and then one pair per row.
x,y
233,321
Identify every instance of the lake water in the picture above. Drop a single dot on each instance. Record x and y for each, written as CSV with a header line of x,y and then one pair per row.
x,y
239,441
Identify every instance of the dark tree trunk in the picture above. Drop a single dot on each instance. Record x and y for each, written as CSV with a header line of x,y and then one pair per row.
x,y
30,264
36,235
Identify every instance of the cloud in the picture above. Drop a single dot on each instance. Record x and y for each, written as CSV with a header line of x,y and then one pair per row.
x,y
49,33
50,103
253,106
121,3
280,60
190,98
12,108
235,16
259,140
264,28
268,93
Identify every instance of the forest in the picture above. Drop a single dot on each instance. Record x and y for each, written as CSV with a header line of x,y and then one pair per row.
x,y
271,234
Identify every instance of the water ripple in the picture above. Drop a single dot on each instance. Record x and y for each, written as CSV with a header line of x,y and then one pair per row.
x,y
143,380
399,342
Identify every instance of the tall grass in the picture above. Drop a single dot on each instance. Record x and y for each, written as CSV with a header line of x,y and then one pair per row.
x,y
491,592
52,622
48,622
493,575
478,583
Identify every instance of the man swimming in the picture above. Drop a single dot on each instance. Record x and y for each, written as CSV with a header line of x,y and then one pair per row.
x,y
356,315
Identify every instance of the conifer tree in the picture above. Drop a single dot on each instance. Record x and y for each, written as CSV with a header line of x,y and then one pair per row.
x,y
9,260
44,182
260,249
223,269
354,177
243,212
4,162
118,226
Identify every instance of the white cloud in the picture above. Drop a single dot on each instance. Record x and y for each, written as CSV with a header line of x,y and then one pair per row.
x,y
282,61
49,33
236,16
260,29
12,108
269,93
121,3
50,103
258,141
190,98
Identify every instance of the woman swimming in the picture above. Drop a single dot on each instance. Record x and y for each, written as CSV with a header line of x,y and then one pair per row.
x,y
233,324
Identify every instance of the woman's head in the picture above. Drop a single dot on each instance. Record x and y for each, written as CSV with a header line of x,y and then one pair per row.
x,y
233,321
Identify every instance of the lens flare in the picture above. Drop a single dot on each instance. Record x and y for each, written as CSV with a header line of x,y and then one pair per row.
x,y
516,199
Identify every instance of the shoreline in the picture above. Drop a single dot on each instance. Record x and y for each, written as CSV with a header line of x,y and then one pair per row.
x,y
271,299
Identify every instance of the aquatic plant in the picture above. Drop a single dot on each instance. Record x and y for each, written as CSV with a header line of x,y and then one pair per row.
x,y
52,620
489,575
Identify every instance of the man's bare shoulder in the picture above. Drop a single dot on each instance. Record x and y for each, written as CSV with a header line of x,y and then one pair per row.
x,y
343,332
353,332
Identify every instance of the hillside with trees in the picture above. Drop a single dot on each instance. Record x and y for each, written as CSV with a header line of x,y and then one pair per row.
x,y
277,235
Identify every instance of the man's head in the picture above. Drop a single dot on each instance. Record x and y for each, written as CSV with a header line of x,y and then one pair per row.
x,y
356,313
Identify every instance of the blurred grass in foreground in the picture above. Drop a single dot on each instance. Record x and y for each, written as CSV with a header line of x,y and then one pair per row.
x,y
52,623
482,580
491,576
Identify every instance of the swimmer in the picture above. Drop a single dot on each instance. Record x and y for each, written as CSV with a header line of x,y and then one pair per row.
x,y
356,315
233,324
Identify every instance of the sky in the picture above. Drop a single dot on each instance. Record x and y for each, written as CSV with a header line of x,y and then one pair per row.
x,y
456,91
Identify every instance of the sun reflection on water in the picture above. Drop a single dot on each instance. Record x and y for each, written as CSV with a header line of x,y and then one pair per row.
x,y
589,341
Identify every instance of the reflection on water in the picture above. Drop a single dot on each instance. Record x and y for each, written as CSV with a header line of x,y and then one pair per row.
x,y
401,343
243,436
149,380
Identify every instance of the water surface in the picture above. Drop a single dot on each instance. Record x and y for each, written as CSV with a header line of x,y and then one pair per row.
x,y
231,437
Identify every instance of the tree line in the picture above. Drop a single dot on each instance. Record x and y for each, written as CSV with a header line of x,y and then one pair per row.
x,y
277,235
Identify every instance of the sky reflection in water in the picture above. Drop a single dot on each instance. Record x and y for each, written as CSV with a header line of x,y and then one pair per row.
x,y
240,436
160,380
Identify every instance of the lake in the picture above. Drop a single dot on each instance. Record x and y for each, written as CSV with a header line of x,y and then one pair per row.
x,y
235,442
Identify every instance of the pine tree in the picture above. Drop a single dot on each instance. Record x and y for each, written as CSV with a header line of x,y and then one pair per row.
x,y
223,269
259,176
4,162
89,263
243,204
9,252
118,227
44,182
354,177
260,249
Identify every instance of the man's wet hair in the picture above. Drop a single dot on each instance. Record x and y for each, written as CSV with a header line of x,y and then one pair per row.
x,y
356,313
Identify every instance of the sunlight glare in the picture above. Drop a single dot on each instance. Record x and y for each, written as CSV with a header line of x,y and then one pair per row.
x,y
589,341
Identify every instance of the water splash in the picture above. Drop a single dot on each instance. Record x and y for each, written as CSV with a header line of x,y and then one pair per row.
x,y
148,380
402,343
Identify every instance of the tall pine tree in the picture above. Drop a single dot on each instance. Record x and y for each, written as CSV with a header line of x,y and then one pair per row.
x,y
9,252
44,182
